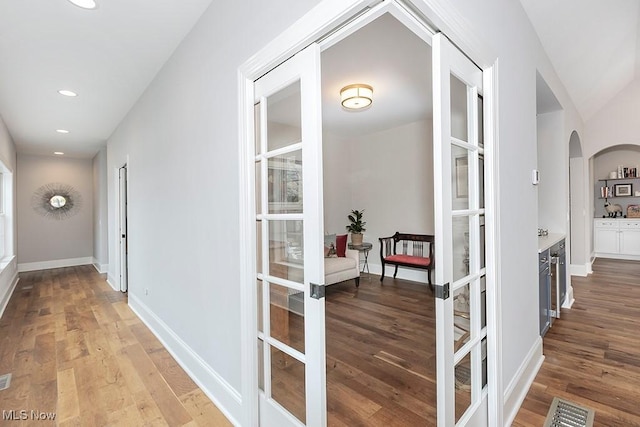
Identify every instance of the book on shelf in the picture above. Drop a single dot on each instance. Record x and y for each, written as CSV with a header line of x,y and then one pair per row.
x,y
606,192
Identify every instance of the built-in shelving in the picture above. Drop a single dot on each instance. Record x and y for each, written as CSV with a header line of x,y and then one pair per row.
x,y
608,194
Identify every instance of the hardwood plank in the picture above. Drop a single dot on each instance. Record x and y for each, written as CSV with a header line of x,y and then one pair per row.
x,y
203,411
591,352
170,407
76,349
172,373
380,354
68,407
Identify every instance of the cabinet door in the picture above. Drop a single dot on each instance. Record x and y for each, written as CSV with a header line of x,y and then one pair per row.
x,y
606,241
630,242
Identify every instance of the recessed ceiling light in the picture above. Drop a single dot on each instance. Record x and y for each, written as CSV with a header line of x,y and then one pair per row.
x,y
58,153
67,92
62,131
85,4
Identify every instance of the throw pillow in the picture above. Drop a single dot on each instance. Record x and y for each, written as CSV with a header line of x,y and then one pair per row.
x,y
330,246
341,245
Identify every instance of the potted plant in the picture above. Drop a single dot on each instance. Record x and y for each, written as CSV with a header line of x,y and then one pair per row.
x,y
356,227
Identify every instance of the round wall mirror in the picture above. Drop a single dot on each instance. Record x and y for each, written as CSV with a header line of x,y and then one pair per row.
x,y
57,201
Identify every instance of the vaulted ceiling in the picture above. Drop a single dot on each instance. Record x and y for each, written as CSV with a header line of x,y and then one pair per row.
x,y
593,45
110,55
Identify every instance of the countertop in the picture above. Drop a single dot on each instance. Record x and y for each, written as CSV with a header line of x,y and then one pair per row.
x,y
545,242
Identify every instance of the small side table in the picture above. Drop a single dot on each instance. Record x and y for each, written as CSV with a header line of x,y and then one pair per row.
x,y
363,248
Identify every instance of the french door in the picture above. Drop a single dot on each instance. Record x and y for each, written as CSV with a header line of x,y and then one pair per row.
x,y
289,229
287,157
460,237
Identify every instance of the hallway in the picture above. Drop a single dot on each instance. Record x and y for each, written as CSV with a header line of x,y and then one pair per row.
x,y
75,349
592,354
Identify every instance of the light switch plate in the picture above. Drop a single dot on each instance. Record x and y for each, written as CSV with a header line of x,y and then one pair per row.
x,y
535,177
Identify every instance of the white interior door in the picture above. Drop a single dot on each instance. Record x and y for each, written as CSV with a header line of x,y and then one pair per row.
x,y
289,229
460,237
124,247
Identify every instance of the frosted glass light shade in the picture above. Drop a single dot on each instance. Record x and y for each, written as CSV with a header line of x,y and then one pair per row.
x,y
85,4
356,96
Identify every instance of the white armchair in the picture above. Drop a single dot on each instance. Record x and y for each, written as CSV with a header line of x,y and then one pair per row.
x,y
339,269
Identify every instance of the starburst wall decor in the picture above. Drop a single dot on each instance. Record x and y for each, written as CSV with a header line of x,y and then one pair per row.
x,y
56,201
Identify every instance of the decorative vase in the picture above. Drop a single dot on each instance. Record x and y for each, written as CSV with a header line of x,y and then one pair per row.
x,y
356,239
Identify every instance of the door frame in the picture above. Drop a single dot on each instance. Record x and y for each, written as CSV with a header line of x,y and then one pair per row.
x,y
116,230
319,23
123,213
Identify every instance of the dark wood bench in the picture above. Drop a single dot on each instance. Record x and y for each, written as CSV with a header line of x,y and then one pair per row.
x,y
412,253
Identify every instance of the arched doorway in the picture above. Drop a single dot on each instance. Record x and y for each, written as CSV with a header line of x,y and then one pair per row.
x,y
580,262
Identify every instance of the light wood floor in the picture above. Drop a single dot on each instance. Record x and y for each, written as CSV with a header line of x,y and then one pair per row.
x,y
76,349
592,354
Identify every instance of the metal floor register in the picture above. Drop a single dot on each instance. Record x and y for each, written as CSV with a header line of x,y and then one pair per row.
x,y
563,413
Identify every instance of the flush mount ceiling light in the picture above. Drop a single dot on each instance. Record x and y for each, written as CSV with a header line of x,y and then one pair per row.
x,y
85,4
356,96
67,92
58,153
62,131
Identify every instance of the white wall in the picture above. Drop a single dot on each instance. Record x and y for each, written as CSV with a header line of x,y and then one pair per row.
x,y
617,123
336,160
180,142
389,174
553,188
47,242
181,139
9,268
578,211
100,243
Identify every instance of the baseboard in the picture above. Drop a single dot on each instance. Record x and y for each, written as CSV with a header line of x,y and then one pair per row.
x,y
569,299
618,256
111,281
4,301
58,263
404,273
581,270
225,397
518,388
101,268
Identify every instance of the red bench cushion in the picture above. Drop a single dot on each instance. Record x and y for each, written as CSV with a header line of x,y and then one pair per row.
x,y
409,259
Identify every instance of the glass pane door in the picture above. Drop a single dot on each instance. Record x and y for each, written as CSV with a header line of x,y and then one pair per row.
x,y
460,237
290,326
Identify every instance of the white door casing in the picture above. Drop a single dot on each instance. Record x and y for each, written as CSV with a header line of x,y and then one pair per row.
x,y
122,229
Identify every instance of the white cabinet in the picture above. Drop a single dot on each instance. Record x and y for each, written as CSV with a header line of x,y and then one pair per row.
x,y
630,237
617,238
606,236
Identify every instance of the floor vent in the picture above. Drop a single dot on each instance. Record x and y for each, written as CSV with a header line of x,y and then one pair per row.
x,y
563,413
5,381
26,287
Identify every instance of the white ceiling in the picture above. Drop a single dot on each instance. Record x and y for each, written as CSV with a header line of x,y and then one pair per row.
x,y
592,44
390,58
108,56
